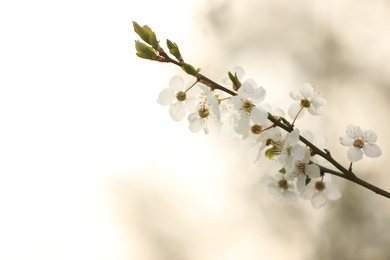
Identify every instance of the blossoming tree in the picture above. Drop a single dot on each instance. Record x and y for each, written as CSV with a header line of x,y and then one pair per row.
x,y
238,106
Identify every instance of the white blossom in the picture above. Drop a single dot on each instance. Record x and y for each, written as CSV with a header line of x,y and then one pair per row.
x,y
318,192
279,187
176,99
303,170
208,109
286,150
246,106
307,98
360,141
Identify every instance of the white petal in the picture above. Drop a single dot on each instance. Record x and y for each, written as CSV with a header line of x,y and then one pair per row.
x,y
246,90
191,104
258,115
312,170
293,94
176,83
294,109
354,154
308,192
354,132
177,111
298,152
346,140
289,164
240,72
196,125
279,112
274,190
293,137
318,102
227,130
258,94
266,179
307,91
372,150
166,97
289,196
369,136
242,124
248,143
212,100
318,200
314,111
332,191
301,182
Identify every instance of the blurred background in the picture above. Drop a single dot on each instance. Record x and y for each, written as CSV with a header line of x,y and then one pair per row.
x,y
91,167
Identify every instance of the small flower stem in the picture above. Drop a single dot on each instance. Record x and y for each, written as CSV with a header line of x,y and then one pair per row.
x,y
350,167
191,86
223,99
300,110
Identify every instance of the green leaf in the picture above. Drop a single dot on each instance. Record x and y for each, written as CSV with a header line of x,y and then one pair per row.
x,y
141,32
307,180
282,171
174,50
236,83
189,69
284,120
144,51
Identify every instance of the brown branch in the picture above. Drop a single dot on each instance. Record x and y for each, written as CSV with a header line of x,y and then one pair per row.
x,y
344,173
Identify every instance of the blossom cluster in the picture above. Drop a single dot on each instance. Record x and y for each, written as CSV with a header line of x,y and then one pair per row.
x,y
246,117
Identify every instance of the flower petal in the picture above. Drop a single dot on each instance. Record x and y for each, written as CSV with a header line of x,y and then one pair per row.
x,y
166,97
354,132
307,91
274,190
318,200
318,102
258,115
176,83
346,140
196,125
289,196
332,191
177,111
369,136
294,109
354,154
372,150
312,170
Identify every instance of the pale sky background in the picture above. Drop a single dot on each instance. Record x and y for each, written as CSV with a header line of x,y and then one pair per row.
x,y
92,168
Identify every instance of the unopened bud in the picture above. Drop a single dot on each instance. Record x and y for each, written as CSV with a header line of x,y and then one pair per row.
x,y
256,129
181,96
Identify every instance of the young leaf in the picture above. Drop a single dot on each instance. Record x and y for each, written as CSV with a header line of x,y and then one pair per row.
x,y
189,69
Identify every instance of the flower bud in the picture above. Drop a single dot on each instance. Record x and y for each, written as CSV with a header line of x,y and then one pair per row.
x,y
256,129
144,51
181,96
174,50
